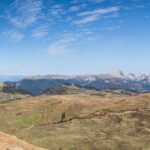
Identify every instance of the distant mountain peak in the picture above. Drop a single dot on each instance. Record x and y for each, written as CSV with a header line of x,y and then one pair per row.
x,y
112,80
118,73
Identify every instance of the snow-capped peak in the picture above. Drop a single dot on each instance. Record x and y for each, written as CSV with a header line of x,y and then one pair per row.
x,y
117,74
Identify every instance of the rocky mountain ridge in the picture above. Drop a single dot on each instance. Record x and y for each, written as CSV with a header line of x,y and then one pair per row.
x,y
12,92
91,77
113,81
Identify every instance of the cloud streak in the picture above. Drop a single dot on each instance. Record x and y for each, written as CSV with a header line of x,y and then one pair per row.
x,y
97,1
40,32
13,35
62,45
101,11
90,16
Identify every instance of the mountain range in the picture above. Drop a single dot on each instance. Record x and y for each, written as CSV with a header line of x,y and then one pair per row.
x,y
37,85
10,92
84,112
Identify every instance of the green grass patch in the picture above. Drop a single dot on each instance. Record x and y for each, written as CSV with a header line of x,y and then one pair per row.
x,y
27,121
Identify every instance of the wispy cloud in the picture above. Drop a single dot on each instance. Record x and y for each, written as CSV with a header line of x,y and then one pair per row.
x,y
57,10
40,32
90,16
87,19
110,28
97,1
13,35
76,7
62,45
25,12
101,11
85,1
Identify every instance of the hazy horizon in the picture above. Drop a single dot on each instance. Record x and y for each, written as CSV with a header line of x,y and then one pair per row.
x,y
74,37
76,74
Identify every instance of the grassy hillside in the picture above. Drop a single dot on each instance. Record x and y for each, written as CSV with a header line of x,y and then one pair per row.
x,y
64,89
8,93
8,142
80,121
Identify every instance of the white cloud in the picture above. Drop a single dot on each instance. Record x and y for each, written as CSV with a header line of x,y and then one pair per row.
x,y
69,40
97,1
25,12
74,8
110,28
56,6
61,46
90,16
87,19
101,11
40,31
13,35
57,10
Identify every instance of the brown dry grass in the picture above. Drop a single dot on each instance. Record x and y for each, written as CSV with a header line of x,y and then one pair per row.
x,y
8,142
90,123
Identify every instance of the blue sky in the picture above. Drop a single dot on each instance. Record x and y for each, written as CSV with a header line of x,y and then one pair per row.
x,y
74,36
